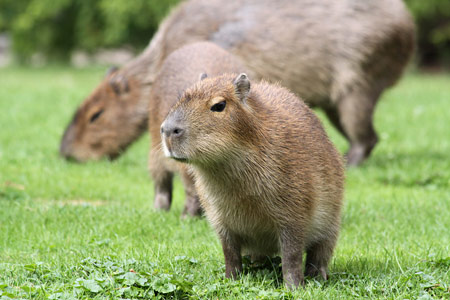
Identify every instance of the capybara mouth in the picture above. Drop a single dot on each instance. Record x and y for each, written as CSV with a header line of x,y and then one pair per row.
x,y
113,156
180,159
70,158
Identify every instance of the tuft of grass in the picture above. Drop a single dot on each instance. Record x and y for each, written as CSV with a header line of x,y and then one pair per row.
x,y
72,231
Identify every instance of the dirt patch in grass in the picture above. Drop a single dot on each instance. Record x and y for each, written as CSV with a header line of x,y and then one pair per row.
x,y
73,202
10,184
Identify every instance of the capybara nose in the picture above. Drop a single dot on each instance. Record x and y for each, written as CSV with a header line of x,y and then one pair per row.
x,y
171,129
65,153
67,146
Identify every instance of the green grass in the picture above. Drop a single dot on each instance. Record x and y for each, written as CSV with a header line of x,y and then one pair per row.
x,y
70,231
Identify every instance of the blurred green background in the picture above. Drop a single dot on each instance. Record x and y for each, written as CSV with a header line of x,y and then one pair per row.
x,y
58,27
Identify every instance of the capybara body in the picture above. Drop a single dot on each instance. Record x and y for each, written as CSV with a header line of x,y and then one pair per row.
x,y
337,55
180,70
268,178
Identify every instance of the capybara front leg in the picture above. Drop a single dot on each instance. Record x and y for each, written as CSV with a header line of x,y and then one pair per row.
x,y
192,203
291,260
232,253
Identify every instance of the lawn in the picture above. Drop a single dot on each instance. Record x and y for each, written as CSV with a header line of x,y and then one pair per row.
x,y
72,231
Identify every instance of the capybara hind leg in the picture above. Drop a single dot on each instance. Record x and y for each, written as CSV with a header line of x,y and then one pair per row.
x,y
192,207
192,203
163,190
334,118
318,256
356,113
291,260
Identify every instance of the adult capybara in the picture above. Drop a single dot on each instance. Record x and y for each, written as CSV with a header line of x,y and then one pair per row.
x,y
180,70
269,179
337,55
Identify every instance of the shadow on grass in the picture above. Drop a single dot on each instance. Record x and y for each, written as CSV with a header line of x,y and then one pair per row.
x,y
384,160
266,267
426,169
349,273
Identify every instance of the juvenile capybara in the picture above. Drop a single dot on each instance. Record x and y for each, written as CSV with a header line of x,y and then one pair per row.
x,y
269,179
337,55
180,70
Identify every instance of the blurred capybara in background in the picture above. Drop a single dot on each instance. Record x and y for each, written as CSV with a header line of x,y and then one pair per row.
x,y
337,55
268,177
180,70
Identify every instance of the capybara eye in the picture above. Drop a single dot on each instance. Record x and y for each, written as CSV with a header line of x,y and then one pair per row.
x,y
218,107
96,115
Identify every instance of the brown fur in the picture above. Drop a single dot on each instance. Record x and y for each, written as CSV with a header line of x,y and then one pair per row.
x,y
180,70
268,177
337,55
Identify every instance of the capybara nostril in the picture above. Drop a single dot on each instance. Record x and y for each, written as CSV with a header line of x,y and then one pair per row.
x,y
171,128
177,132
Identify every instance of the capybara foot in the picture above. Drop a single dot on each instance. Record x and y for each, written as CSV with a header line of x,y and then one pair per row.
x,y
192,207
314,271
293,281
358,153
163,201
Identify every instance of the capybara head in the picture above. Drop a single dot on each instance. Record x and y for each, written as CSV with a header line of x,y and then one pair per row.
x,y
107,121
210,119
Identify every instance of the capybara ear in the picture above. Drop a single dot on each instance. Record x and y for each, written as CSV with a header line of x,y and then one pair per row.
x,y
119,84
202,76
242,86
111,70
